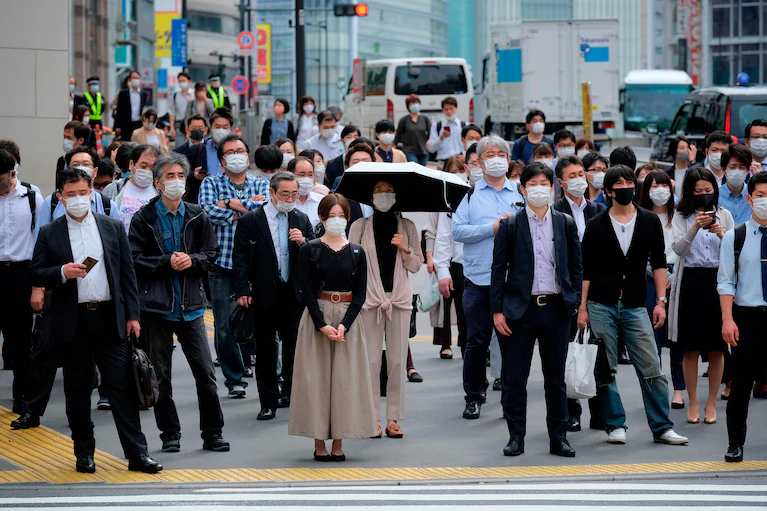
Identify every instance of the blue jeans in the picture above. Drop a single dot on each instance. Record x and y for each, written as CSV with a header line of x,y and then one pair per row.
x,y
229,354
423,159
636,330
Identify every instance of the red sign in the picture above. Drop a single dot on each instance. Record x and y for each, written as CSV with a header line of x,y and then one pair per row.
x,y
240,84
246,41
694,39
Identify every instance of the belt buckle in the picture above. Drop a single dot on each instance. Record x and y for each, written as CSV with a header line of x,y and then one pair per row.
x,y
334,299
540,300
91,306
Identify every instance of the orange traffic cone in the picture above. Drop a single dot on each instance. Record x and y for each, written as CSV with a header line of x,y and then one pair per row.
x,y
99,145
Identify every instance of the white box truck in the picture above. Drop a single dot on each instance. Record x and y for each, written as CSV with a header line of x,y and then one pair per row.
x,y
541,65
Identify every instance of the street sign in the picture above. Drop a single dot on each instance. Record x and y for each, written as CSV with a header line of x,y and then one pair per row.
x,y
240,84
179,42
246,41
264,53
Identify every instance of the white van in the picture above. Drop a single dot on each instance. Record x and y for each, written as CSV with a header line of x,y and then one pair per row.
x,y
388,82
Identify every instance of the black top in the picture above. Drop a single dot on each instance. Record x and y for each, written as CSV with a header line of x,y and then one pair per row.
x,y
610,272
334,272
384,229
412,136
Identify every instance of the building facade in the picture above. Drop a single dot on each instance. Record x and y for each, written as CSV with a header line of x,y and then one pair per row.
x,y
213,29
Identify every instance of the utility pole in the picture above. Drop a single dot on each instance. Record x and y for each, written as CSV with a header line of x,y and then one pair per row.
x,y
300,50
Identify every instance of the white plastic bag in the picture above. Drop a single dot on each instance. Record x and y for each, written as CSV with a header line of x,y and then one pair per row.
x,y
430,293
579,368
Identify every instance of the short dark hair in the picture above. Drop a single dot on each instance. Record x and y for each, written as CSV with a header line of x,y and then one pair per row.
x,y
284,102
324,116
149,113
562,135
221,113
226,140
106,167
674,144
279,177
285,140
686,204
660,177
82,149
268,157
542,149
617,172
330,200
12,147
72,175
7,163
362,140
536,169
450,100
759,178
412,98
736,152
384,126
593,157
357,148
196,117
533,113
295,161
79,129
311,154
717,136
471,150
585,142
349,129
141,149
623,156
124,156
184,74
470,127
756,122
566,161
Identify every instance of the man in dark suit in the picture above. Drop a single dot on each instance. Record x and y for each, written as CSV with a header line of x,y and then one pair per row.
x,y
194,150
130,104
84,262
265,263
535,300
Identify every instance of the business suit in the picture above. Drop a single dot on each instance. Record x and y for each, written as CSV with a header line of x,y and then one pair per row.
x,y
515,264
276,305
590,211
123,120
77,335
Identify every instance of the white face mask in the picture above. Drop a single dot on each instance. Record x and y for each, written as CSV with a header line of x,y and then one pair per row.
x,y
335,226
287,158
150,125
758,147
476,174
184,85
383,202
135,83
220,134
760,208
86,119
237,163
462,177
736,177
414,108
94,88
538,127
386,138
538,196
566,151
143,178
599,180
71,87
68,145
285,207
308,108
305,185
497,166
660,196
715,160
319,173
450,118
549,162
328,133
582,153
78,206
577,187
174,189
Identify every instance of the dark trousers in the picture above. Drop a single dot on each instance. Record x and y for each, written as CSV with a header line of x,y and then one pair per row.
x,y
748,361
479,329
550,325
96,340
157,333
16,325
282,318
42,374
444,336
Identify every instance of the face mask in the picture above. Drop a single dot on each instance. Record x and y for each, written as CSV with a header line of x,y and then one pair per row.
x,y
760,208
183,85
150,125
335,226
703,200
196,135
308,108
237,163
623,196
736,177
71,87
305,185
683,156
215,84
174,189
476,174
462,177
715,160
285,207
135,83
94,88
538,196
67,145
660,196
577,187
78,206
328,133
219,134
538,127
86,119
599,180
143,178
386,138
549,162
286,158
450,118
414,108
496,167
758,147
582,153
319,173
384,201
566,151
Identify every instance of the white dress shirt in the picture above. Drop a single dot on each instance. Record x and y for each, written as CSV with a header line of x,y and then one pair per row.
x,y
450,146
135,105
624,232
17,240
85,241
329,148
446,249
578,216
704,252
545,280
310,207
679,175
274,228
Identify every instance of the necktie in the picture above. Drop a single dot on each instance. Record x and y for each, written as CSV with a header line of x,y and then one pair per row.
x,y
284,254
763,230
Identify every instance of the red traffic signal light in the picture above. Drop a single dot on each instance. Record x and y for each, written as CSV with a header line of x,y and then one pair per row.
x,y
350,9
361,9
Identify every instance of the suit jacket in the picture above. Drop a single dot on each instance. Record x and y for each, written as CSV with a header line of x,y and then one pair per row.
x,y
123,111
335,169
53,250
254,259
197,156
591,210
511,282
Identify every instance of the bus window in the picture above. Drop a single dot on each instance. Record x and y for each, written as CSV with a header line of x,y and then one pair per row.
x,y
376,81
430,80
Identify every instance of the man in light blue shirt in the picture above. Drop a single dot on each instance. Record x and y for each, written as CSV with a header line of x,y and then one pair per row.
x,y
736,161
474,224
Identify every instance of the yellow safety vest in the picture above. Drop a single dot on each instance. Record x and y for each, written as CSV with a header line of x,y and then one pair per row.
x,y
218,102
96,106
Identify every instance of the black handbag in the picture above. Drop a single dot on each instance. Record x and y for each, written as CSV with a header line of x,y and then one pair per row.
x,y
146,378
241,324
413,313
602,371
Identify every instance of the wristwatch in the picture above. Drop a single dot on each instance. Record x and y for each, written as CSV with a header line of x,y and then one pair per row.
x,y
661,299
226,203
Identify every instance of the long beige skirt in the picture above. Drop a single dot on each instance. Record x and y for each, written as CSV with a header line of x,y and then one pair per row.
x,y
332,397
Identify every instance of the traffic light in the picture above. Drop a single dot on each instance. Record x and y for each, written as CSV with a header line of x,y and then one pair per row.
x,y
350,9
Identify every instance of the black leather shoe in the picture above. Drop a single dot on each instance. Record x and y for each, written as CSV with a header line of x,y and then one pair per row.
x,y
323,458
26,421
266,414
574,424
561,447
144,464
283,402
497,386
85,465
172,444
734,454
472,410
337,457
215,443
515,447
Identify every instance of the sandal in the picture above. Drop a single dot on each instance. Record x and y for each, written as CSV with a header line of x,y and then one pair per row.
x,y
394,431
446,354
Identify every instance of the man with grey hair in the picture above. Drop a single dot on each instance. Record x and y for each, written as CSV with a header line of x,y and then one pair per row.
x,y
475,223
173,245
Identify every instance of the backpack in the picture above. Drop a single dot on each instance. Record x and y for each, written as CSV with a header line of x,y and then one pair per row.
x,y
315,256
107,203
32,199
740,240
439,126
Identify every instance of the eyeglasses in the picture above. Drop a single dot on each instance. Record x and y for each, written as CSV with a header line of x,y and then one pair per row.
x,y
243,152
287,195
757,137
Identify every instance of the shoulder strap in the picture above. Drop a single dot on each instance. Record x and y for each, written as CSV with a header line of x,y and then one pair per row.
x,y
106,202
463,124
439,127
32,199
356,251
522,146
511,236
54,202
740,240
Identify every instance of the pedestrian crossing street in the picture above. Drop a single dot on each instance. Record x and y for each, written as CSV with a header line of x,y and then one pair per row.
x,y
524,497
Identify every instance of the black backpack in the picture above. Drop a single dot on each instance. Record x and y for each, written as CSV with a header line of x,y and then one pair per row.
x,y
107,203
740,240
32,199
439,126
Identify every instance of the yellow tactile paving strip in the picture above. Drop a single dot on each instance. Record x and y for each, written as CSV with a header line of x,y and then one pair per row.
x,y
45,456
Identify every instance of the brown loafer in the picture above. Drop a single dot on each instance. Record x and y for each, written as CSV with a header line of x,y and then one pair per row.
x,y
394,431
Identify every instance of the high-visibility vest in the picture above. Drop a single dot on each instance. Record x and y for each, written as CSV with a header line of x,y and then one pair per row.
x,y
218,102
96,106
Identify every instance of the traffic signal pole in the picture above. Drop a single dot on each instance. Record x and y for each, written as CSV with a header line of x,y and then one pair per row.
x,y
300,50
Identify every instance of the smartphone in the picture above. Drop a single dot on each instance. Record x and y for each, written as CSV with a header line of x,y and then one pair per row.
x,y
89,263
446,129
711,213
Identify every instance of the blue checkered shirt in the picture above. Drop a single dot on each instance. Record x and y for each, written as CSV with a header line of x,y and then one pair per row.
x,y
217,188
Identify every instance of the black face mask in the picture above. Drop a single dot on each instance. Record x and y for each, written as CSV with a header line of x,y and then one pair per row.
x,y
703,200
196,135
623,196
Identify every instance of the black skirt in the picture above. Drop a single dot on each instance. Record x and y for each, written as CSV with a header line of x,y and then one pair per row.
x,y
700,315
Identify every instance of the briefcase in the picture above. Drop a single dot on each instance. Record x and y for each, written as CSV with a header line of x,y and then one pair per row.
x,y
241,325
146,378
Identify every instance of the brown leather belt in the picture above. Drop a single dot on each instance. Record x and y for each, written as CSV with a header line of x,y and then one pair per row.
x,y
93,306
335,297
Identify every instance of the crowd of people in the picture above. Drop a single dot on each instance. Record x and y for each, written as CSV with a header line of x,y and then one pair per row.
x,y
551,239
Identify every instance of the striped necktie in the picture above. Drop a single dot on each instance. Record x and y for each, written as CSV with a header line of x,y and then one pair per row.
x,y
284,254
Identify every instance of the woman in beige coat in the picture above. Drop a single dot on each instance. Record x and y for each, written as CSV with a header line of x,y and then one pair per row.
x,y
393,249
149,134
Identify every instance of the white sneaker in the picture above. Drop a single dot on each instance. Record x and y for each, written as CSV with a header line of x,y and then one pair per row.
x,y
671,437
237,392
617,436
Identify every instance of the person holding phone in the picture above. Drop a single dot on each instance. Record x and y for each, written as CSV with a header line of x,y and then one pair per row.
x,y
695,318
445,135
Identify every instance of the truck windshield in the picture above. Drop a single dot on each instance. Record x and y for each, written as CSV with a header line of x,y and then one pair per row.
x,y
652,104
430,80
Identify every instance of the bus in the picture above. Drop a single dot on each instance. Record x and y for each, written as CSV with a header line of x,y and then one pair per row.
x,y
651,97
